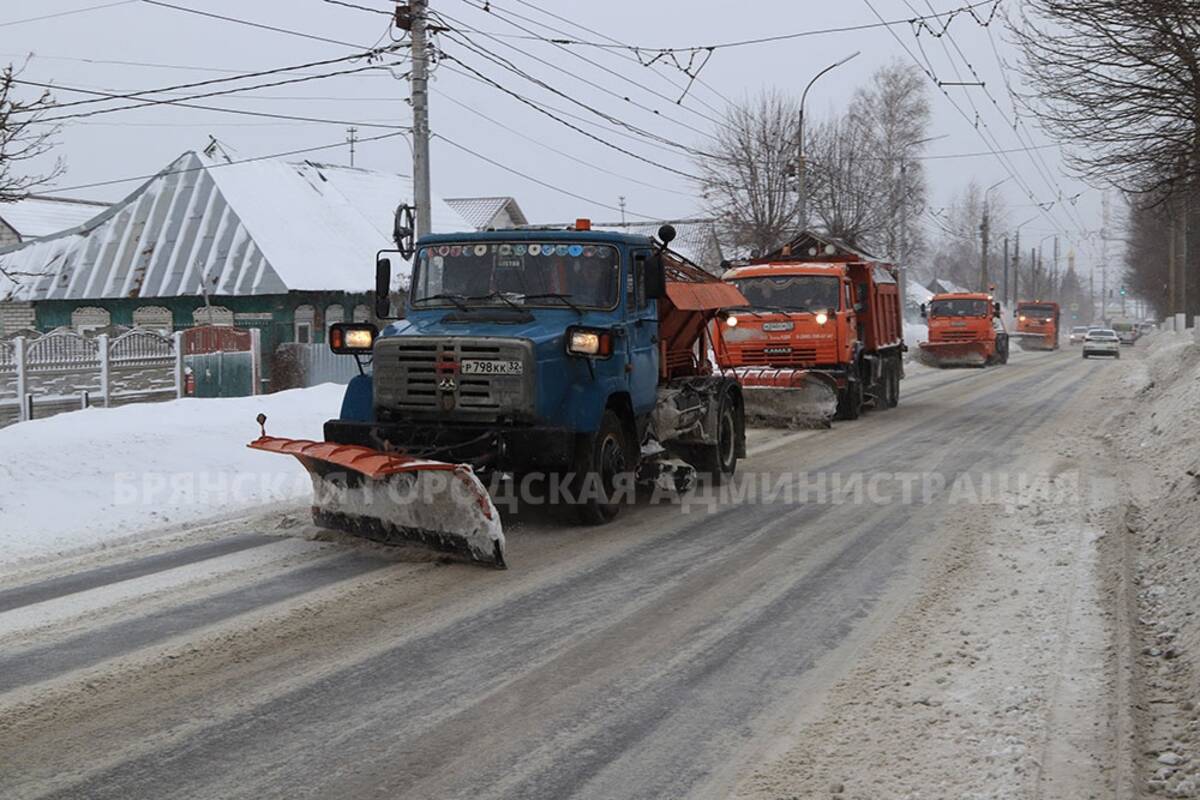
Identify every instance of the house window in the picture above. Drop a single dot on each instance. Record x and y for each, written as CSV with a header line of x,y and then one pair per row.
x,y
334,314
361,313
155,318
304,318
89,318
213,315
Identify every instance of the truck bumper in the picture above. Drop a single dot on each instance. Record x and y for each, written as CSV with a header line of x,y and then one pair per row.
x,y
484,446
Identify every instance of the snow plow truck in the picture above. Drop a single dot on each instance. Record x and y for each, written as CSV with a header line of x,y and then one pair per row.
x,y
1037,324
965,330
576,355
820,337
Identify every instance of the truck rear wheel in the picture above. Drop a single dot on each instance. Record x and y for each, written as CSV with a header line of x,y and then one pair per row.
x,y
719,461
850,401
603,474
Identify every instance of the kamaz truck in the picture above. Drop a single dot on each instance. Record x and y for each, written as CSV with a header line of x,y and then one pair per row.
x,y
1037,324
965,330
577,354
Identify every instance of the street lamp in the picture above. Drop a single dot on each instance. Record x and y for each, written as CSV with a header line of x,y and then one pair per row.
x,y
1016,288
983,233
802,166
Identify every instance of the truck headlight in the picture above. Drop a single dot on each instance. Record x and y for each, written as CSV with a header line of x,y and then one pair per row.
x,y
589,342
352,338
822,317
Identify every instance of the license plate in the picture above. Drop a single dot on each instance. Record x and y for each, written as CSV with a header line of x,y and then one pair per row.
x,y
471,366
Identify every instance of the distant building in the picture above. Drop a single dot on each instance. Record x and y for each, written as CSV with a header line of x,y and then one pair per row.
x,y
37,216
695,239
488,213
943,286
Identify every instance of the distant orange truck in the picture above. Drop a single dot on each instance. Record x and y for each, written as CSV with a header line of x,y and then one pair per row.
x,y
1037,324
965,330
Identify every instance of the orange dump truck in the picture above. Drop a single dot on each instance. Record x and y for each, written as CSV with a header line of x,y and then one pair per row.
x,y
821,335
1037,325
965,330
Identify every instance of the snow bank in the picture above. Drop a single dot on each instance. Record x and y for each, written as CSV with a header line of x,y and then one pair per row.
x,y
89,476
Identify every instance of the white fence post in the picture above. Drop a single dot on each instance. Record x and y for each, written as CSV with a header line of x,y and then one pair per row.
x,y
255,359
105,378
19,358
177,339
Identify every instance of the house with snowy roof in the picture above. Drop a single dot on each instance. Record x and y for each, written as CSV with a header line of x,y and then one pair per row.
x,y
286,247
36,216
488,213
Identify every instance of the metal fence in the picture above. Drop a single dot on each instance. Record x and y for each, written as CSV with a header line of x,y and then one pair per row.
x,y
64,371
296,366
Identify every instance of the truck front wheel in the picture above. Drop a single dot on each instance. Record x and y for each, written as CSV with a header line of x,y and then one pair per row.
x,y
604,476
719,461
850,400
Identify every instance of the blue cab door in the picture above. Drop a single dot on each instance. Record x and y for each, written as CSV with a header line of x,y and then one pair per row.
x,y
641,336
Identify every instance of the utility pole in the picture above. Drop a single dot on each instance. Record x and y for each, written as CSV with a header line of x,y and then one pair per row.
x,y
983,260
420,110
1104,258
1035,261
1004,301
1054,282
1172,260
1016,292
352,137
802,162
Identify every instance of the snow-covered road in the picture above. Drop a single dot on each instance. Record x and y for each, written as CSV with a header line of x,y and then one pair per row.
x,y
673,653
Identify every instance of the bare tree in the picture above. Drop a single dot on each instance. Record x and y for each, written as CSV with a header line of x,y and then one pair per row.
x,y
23,137
747,178
847,182
893,110
958,250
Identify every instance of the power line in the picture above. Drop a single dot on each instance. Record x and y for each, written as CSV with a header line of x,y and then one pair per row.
x,y
576,159
214,81
244,112
248,23
66,13
538,181
266,157
122,63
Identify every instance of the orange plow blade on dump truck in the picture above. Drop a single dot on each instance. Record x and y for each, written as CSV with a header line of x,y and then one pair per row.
x,y
394,499
783,397
954,354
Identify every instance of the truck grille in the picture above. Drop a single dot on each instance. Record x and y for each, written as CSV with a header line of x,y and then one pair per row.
x,y
779,356
421,377
958,336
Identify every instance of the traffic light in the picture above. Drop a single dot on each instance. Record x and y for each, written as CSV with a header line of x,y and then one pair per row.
x,y
1122,291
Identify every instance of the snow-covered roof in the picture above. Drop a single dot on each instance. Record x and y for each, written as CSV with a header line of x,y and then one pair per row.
x,y
695,240
943,286
254,227
37,215
482,213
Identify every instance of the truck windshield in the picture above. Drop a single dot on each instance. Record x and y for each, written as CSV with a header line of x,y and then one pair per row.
x,y
1036,312
791,292
506,273
959,308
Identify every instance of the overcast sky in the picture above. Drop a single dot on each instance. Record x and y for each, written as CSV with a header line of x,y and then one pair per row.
x,y
75,50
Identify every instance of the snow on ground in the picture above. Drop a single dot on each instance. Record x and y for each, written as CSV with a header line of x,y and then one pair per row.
x,y
92,476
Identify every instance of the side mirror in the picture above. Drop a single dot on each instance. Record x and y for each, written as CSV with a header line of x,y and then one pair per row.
x,y
996,307
860,307
666,234
383,288
924,312
654,278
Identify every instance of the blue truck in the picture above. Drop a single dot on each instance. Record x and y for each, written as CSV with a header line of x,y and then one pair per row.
x,y
581,355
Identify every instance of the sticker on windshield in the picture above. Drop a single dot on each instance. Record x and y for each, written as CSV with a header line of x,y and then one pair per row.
x,y
535,249
506,249
481,249
438,261
561,249
547,249
444,250
589,252
519,249
455,251
575,250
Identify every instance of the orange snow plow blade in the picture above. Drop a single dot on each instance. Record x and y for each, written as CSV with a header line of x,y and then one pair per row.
x,y
954,354
394,498
788,397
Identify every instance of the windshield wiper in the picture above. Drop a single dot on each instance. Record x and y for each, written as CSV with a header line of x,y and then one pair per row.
x,y
458,300
497,296
566,298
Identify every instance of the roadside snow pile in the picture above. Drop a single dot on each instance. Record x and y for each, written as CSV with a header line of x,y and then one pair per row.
x,y
92,476
914,334
1161,441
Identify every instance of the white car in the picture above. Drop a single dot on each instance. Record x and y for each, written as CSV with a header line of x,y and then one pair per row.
x,y
1077,333
1101,342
